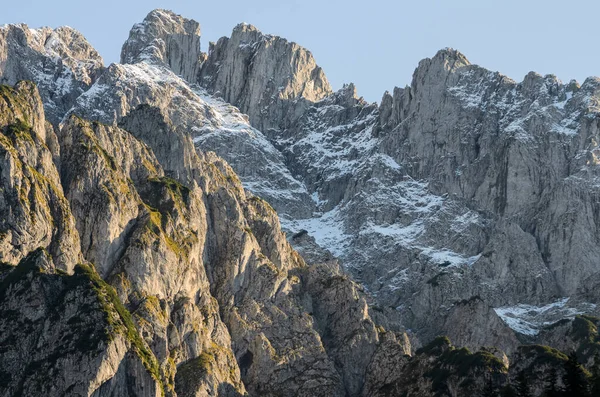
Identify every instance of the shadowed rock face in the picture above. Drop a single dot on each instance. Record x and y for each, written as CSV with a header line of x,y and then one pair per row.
x,y
146,211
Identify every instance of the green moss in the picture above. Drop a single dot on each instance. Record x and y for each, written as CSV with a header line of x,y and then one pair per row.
x,y
19,131
22,270
437,346
110,160
543,355
464,361
258,200
7,91
8,146
91,144
44,181
202,365
118,317
14,100
153,307
461,363
180,191
156,224
584,329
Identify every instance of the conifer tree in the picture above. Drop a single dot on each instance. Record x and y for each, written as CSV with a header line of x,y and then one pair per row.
x,y
523,385
575,378
552,389
595,381
490,389
508,391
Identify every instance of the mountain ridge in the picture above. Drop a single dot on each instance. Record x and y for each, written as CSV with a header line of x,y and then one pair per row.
x,y
430,199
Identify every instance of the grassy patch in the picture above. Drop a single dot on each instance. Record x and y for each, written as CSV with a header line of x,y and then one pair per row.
x,y
543,355
461,363
20,272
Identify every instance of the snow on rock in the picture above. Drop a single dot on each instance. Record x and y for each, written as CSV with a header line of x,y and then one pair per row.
x,y
529,319
60,61
213,125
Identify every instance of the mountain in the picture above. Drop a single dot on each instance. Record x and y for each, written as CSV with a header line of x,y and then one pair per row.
x,y
191,224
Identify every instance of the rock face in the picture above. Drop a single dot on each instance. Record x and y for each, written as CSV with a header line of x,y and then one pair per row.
x,y
165,38
142,251
209,297
456,187
263,76
33,210
68,334
61,62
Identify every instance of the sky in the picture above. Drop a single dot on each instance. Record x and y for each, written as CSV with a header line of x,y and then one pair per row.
x,y
375,44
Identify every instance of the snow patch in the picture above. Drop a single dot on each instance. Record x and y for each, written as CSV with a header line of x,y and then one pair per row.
x,y
529,319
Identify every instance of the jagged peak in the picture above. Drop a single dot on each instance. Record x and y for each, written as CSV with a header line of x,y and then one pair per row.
x,y
435,69
74,42
245,31
169,22
158,12
349,91
450,54
245,27
168,39
573,86
447,59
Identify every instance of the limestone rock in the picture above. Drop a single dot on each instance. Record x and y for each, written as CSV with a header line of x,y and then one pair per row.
x,y
61,62
263,75
66,334
166,38
33,210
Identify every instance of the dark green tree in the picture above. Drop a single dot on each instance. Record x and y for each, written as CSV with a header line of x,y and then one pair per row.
x,y
489,390
508,391
575,378
523,385
595,381
552,389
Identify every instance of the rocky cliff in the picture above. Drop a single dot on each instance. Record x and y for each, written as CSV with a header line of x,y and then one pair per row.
x,y
142,251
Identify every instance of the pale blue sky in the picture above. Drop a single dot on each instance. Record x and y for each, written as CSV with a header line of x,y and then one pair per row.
x,y
374,43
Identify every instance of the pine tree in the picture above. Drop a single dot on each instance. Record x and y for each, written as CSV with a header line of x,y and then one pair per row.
x,y
523,385
595,381
551,380
508,391
490,389
575,378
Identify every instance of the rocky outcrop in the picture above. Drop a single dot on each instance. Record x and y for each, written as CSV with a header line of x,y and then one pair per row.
x,y
69,335
168,39
267,77
455,185
33,210
184,252
437,369
61,62
210,123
